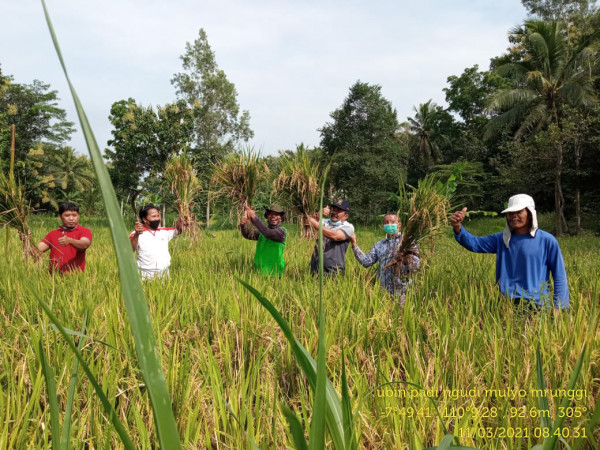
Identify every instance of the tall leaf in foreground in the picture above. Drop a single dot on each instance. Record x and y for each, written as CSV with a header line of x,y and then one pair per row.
x,y
550,443
333,414
131,286
317,427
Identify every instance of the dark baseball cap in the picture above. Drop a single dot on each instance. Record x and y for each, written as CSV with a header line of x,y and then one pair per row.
x,y
342,204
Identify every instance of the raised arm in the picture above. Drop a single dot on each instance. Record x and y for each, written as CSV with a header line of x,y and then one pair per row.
x,y
365,260
274,234
334,235
247,233
133,239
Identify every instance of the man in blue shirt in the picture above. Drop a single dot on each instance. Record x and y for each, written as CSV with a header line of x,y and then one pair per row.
x,y
385,252
525,255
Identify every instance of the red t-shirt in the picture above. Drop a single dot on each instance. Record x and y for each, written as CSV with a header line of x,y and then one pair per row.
x,y
67,258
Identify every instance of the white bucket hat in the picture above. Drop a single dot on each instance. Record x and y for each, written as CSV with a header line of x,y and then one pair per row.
x,y
517,203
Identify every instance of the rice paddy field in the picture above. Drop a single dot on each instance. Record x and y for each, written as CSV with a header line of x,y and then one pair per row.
x,y
455,356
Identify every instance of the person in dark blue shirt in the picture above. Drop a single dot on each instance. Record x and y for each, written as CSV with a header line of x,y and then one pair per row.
x,y
525,255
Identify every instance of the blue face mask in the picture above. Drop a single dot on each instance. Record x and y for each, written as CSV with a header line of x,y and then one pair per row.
x,y
335,224
390,228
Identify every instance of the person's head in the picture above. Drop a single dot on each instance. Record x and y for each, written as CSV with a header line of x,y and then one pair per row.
x,y
339,211
275,214
521,216
68,213
391,224
150,216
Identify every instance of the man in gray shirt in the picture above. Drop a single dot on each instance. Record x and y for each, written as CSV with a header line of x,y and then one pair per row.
x,y
336,239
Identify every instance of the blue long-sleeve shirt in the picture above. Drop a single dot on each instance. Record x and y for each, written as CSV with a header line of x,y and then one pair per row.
x,y
384,252
523,270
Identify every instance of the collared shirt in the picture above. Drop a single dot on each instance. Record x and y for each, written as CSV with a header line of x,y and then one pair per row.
x,y
153,248
334,252
67,258
384,252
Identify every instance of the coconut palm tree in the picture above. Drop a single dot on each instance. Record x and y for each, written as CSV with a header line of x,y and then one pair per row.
x,y
551,73
424,126
70,171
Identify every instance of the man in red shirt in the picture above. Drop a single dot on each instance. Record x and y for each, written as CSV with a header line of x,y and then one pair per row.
x,y
69,242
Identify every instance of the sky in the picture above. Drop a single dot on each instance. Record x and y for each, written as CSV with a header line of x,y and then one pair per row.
x,y
292,62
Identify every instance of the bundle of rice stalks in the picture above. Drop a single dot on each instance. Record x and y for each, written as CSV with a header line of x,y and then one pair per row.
x,y
180,175
14,208
298,184
423,213
239,175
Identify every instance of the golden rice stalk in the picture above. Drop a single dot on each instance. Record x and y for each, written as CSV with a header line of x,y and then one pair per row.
x,y
298,184
14,208
423,214
181,176
239,175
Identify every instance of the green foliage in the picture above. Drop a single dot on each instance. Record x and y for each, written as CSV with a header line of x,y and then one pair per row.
x,y
366,156
143,140
133,296
429,127
468,92
550,74
468,181
39,122
558,9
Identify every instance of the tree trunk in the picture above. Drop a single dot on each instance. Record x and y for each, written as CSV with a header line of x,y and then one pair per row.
x,y
577,188
207,213
558,195
121,207
559,202
164,215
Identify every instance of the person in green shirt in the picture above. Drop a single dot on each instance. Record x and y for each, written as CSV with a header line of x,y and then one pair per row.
x,y
268,259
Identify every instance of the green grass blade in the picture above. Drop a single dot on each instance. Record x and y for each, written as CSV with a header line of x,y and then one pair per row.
x,y
308,365
552,441
228,406
589,428
103,399
131,286
66,429
541,385
349,435
317,426
296,429
446,442
52,397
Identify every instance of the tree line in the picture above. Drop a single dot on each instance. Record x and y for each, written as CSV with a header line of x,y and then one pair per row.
x,y
529,123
